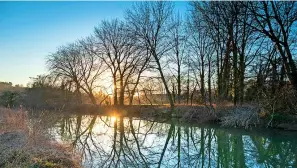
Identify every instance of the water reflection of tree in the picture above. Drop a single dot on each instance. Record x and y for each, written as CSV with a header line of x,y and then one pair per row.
x,y
274,153
130,142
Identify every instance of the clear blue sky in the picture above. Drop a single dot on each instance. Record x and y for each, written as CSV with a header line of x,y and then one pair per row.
x,y
29,31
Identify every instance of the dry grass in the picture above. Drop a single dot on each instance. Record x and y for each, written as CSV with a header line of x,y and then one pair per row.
x,y
12,120
240,116
24,144
199,114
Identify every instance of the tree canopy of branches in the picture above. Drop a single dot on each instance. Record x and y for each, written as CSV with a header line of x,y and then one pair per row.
x,y
74,64
216,51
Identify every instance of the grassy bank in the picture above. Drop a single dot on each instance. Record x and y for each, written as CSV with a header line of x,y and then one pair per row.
x,y
26,144
227,115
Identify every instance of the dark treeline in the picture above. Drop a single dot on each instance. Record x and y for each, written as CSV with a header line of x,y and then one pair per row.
x,y
239,52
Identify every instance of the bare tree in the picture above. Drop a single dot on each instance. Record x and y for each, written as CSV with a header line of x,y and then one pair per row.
x,y
117,50
277,21
91,69
76,64
149,22
140,67
65,63
235,42
178,37
202,49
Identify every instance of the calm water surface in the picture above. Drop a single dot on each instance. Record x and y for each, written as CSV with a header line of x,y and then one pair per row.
x,y
108,141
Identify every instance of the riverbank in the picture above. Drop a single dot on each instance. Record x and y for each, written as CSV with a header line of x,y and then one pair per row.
x,y
25,144
226,115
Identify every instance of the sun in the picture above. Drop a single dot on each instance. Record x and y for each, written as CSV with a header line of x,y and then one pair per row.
x,y
113,119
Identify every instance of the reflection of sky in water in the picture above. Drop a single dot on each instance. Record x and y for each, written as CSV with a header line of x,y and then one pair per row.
x,y
115,142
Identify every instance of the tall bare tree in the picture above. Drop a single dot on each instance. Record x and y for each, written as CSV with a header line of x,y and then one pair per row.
x,y
118,51
201,47
177,58
91,70
65,63
78,65
149,21
277,21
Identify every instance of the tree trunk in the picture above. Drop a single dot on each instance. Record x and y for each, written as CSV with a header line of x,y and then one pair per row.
x,y
131,98
209,82
170,99
134,88
282,77
202,90
78,94
178,84
241,78
93,99
173,92
122,92
226,69
115,94
274,77
235,72
293,73
188,83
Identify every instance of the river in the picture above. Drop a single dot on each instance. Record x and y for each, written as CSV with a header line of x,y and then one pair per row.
x,y
110,141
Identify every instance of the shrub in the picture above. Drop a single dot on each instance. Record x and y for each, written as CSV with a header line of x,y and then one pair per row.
x,y
9,98
200,114
243,116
